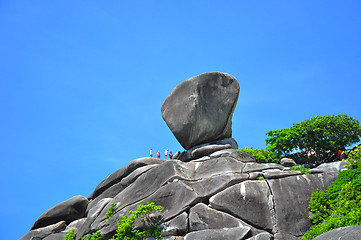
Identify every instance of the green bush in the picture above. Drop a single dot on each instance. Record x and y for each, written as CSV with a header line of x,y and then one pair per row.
x,y
110,211
69,235
94,236
339,206
125,229
301,168
261,155
354,158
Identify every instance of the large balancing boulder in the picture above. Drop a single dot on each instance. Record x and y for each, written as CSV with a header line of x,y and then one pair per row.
x,y
200,109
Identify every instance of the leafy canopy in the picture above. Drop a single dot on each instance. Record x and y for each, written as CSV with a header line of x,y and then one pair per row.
x,y
319,136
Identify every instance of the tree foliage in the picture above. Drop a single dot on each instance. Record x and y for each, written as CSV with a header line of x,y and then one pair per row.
x,y
319,136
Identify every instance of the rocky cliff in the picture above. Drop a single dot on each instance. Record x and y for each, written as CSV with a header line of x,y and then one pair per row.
x,y
210,191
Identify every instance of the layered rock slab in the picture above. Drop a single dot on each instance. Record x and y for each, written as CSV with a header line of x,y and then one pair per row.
x,y
277,205
238,233
343,233
68,211
200,109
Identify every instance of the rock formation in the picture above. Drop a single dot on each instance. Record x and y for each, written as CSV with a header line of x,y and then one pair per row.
x,y
216,195
211,191
199,110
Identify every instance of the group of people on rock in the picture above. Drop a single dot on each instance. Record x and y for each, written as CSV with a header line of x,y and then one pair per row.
x,y
166,153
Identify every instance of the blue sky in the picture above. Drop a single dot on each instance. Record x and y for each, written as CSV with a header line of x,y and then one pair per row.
x,y
82,82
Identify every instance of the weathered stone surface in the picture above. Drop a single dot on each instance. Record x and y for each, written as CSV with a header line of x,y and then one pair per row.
x,y
233,153
203,217
108,193
68,211
55,236
200,109
217,234
176,226
207,187
215,167
226,180
256,167
343,233
250,201
284,236
117,176
291,197
43,232
175,197
120,186
208,148
261,236
93,213
329,167
287,162
204,151
277,173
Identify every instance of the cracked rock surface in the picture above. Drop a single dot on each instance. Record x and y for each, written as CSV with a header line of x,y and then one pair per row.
x,y
218,195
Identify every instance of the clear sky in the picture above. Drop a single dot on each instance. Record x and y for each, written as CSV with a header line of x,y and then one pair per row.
x,y
82,82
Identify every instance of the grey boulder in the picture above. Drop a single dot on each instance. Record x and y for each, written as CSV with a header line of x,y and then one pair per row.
x,y
43,232
261,236
200,109
238,233
122,173
203,217
343,233
68,211
288,162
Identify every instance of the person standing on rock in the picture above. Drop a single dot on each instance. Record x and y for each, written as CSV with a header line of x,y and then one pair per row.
x,y
158,155
166,154
151,153
170,155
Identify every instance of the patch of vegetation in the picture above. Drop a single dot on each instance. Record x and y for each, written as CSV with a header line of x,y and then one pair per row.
x,y
262,178
261,155
110,211
339,206
94,236
69,235
319,136
125,229
354,158
301,168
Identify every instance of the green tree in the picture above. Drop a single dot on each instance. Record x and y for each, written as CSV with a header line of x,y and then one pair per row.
x,y
320,137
